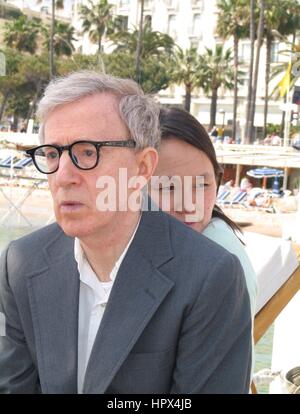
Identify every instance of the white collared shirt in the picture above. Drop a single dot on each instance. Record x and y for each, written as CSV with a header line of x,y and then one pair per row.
x,y
93,296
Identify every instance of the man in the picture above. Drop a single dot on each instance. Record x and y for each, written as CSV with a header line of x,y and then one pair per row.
x,y
116,301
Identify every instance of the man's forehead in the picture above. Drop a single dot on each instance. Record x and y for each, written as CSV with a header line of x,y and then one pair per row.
x,y
95,116
101,101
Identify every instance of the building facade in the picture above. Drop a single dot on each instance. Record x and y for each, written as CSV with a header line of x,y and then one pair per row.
x,y
191,23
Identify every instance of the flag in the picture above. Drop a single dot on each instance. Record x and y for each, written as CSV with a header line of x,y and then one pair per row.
x,y
284,84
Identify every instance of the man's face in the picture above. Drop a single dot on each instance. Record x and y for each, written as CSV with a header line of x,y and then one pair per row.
x,y
74,192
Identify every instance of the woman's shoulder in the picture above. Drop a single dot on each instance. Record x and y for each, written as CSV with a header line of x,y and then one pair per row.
x,y
220,232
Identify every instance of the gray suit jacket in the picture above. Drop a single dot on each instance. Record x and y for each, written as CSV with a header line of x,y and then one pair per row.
x,y
177,320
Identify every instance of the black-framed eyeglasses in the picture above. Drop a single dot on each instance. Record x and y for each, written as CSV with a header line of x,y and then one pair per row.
x,y
84,154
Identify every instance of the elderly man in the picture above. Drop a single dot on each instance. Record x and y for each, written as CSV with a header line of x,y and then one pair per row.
x,y
123,300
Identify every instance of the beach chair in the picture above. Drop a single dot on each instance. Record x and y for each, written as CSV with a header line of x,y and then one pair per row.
x,y
8,162
24,162
222,196
238,198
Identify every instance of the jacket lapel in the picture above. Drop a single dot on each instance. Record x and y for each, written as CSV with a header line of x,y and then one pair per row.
x,y
54,296
138,291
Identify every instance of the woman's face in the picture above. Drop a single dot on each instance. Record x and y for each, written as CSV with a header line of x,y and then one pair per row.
x,y
178,158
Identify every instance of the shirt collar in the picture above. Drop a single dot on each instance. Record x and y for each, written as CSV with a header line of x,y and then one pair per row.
x,y
82,261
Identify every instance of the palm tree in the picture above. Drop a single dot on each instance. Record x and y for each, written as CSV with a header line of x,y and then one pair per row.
x,y
232,21
247,132
187,71
139,45
217,71
62,40
55,4
22,34
155,55
154,43
95,20
282,16
10,82
260,31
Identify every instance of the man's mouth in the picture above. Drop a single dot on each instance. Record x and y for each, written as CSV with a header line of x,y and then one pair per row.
x,y
70,206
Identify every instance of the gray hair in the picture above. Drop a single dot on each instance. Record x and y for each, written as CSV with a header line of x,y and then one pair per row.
x,y
139,111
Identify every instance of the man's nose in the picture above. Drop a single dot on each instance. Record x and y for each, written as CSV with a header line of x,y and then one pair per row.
x,y
67,172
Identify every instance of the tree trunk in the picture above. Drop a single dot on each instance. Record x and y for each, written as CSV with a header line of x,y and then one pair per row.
x,y
139,45
32,108
15,123
283,119
213,107
260,31
188,97
267,80
235,92
3,104
99,42
51,51
247,133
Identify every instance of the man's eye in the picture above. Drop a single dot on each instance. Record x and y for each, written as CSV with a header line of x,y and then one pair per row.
x,y
51,155
89,153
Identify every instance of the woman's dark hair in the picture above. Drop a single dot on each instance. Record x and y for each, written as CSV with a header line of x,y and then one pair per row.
x,y
175,122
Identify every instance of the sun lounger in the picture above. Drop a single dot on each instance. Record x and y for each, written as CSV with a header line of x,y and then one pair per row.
x,y
24,162
238,198
222,196
7,162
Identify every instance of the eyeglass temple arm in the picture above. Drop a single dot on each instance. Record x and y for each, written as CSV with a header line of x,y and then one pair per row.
x,y
128,143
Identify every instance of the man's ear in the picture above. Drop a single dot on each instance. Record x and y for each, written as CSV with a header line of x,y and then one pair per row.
x,y
147,162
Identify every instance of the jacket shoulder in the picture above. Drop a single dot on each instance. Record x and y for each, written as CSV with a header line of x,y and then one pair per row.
x,y
27,253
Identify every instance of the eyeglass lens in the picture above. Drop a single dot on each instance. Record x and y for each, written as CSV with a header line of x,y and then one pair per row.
x,y
84,155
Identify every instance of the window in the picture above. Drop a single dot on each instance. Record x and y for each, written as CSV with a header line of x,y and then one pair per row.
x,y
197,24
245,52
197,3
148,4
194,43
124,3
171,3
172,25
121,23
274,52
148,20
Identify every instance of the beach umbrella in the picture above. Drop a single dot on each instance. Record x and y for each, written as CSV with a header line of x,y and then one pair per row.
x,y
265,173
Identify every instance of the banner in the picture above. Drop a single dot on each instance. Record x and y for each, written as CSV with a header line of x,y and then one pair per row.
x,y
284,84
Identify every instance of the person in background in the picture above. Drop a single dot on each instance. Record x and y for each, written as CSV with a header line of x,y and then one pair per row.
x,y
214,133
186,150
220,136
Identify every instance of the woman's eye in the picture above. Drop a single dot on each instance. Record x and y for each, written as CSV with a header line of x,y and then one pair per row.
x,y
169,188
201,185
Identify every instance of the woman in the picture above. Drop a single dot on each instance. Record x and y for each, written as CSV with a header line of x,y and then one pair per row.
x,y
186,150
